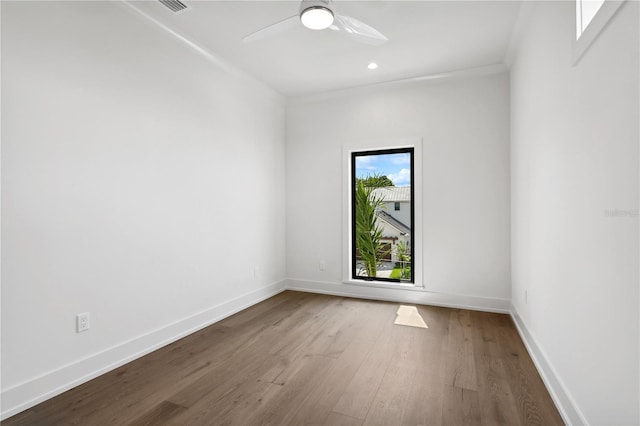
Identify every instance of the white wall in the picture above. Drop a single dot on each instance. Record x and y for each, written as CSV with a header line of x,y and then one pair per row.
x,y
403,215
141,183
464,124
574,157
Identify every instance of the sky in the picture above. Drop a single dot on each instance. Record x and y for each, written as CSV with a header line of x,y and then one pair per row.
x,y
396,167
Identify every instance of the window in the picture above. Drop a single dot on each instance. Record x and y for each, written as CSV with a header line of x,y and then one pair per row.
x,y
591,18
382,243
585,11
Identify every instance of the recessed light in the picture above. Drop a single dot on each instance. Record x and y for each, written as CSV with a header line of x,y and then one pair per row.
x,y
372,66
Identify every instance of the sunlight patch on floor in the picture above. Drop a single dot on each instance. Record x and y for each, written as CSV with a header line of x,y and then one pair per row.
x,y
409,315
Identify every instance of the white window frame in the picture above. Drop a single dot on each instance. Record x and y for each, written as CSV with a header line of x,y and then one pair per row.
x,y
416,234
584,38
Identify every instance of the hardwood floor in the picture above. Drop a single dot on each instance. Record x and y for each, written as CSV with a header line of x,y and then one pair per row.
x,y
301,358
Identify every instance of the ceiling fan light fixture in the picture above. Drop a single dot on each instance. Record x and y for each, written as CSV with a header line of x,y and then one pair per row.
x,y
317,17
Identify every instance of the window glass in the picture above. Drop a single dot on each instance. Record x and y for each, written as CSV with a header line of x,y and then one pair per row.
x,y
382,243
585,12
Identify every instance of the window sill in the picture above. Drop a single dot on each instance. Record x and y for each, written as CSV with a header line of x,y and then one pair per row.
x,y
383,284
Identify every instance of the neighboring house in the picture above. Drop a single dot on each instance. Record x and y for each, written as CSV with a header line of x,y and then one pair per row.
x,y
395,217
397,201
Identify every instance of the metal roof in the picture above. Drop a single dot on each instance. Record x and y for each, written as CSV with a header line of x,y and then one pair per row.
x,y
393,193
393,222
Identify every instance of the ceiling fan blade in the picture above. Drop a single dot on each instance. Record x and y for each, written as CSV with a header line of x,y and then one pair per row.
x,y
273,29
359,29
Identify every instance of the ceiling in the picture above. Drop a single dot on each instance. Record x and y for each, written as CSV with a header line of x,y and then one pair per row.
x,y
425,38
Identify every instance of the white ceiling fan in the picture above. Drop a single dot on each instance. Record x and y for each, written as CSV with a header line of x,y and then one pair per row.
x,y
320,15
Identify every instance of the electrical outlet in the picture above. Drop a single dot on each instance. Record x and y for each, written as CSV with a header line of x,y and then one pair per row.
x,y
526,297
82,322
323,265
256,272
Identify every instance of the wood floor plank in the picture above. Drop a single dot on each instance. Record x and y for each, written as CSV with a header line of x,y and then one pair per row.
x,y
436,318
335,419
246,413
533,402
485,342
461,407
298,332
497,405
357,398
256,313
234,368
161,413
308,374
460,369
494,393
391,398
222,407
342,329
304,359
317,406
424,403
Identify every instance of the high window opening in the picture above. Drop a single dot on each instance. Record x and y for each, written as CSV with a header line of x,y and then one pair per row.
x,y
591,18
585,12
382,215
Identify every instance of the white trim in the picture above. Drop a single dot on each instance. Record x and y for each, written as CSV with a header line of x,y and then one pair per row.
x,y
415,295
416,233
188,41
405,82
563,400
38,389
522,21
591,33
382,284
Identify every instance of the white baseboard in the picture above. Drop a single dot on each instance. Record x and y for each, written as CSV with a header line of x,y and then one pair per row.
x,y
418,296
566,405
34,391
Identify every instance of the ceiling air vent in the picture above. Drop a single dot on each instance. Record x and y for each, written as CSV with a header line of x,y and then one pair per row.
x,y
174,5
